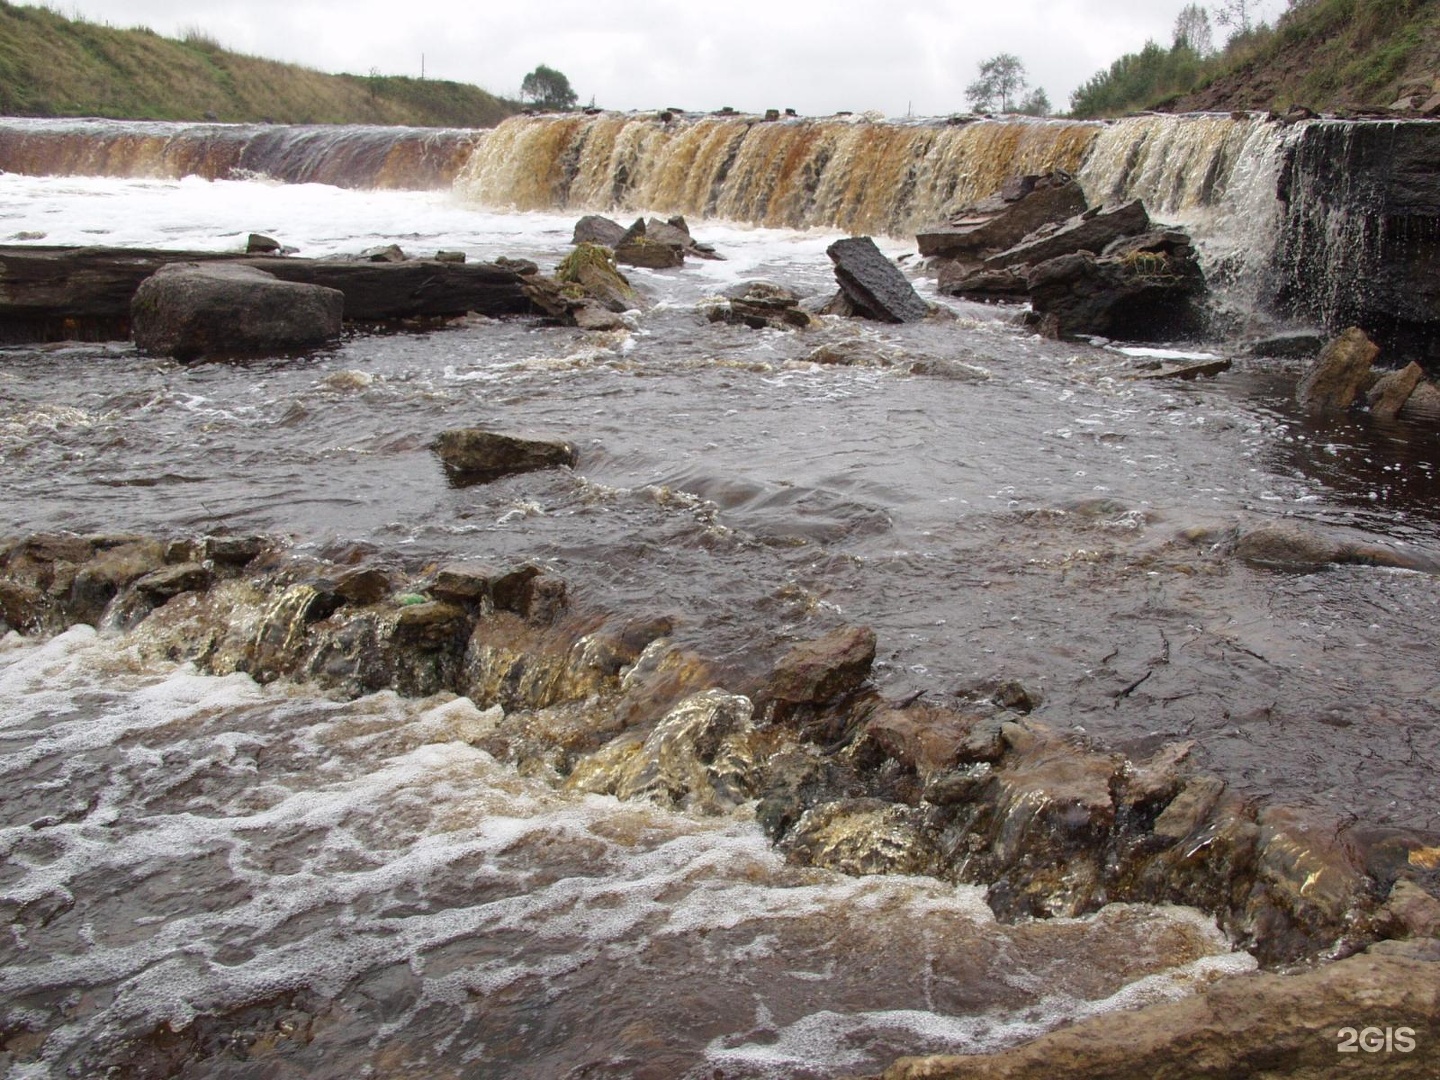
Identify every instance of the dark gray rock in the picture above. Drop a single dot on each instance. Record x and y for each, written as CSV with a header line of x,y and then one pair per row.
x,y
637,248
983,285
1143,296
873,284
594,229
1005,221
192,311
1092,231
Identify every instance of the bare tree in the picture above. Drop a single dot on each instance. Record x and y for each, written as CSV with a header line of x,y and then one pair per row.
x,y
1001,82
1239,15
1193,30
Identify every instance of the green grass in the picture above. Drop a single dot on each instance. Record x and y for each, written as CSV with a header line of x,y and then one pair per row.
x,y
54,66
1327,54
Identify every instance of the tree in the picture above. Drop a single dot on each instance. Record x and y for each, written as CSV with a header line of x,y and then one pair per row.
x,y
1036,103
1193,30
1236,14
1001,82
547,89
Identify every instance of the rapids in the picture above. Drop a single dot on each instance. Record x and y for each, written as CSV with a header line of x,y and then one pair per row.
x,y
205,877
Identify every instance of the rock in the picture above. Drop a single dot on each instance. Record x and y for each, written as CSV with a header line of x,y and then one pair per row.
x,y
530,593
473,456
635,248
463,583
1189,810
107,573
192,311
522,267
1142,296
591,315
1423,405
171,581
594,229
1340,373
1411,911
981,284
430,626
457,257
1024,204
761,305
849,354
259,244
694,758
1187,371
23,607
956,370
873,284
1287,548
592,268
1247,1025
927,740
863,836
820,671
1092,231
1388,396
1299,345
385,253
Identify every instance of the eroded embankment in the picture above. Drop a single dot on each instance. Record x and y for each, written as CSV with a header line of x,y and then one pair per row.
x,y
840,776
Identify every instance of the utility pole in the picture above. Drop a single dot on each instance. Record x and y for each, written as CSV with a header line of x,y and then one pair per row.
x,y
422,67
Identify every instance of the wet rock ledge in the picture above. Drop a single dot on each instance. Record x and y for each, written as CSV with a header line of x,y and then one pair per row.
x,y
839,776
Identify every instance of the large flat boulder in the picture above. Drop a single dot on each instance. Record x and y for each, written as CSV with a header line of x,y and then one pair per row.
x,y
1003,223
193,311
873,285
1092,231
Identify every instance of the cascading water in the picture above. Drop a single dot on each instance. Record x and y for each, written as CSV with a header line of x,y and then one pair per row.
x,y
1214,175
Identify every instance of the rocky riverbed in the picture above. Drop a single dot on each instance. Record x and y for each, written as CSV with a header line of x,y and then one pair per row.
x,y
933,625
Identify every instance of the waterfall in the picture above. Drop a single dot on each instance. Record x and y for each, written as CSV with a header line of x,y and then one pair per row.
x,y
344,156
848,173
1328,221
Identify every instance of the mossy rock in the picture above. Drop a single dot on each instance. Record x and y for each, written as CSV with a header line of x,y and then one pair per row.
x,y
592,268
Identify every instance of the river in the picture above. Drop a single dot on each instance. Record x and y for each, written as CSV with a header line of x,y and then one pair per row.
x,y
207,877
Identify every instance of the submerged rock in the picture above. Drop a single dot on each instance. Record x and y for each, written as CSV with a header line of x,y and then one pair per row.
x,y
1274,1025
192,311
475,456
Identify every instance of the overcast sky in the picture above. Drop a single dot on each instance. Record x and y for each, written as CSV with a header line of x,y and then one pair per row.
x,y
815,56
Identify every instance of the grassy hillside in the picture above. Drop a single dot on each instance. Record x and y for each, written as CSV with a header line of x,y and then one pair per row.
x,y
1326,54
54,66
